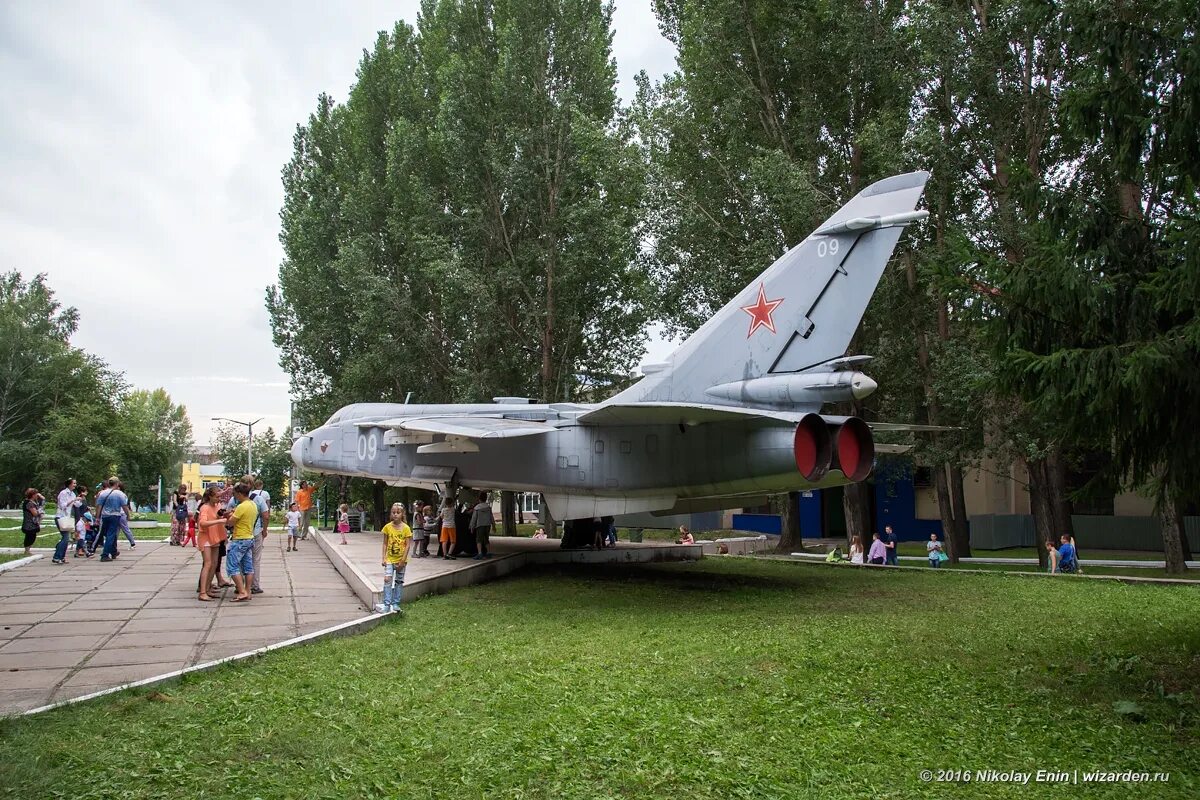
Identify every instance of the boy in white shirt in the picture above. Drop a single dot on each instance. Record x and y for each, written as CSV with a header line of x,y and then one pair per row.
x,y
293,526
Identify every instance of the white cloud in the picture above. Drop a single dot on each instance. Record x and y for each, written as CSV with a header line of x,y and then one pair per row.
x,y
141,148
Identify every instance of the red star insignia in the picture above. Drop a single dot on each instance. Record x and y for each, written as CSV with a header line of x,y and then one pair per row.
x,y
760,313
324,445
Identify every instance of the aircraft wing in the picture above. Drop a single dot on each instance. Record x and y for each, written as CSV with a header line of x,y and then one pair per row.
x,y
467,427
676,413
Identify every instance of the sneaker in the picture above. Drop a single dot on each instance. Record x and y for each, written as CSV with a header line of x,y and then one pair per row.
x,y
396,609
478,557
380,608
104,558
256,591
57,561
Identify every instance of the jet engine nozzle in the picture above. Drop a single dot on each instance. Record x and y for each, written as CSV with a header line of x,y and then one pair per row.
x,y
812,447
854,449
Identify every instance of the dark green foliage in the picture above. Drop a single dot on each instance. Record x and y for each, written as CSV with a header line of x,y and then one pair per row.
x,y
464,225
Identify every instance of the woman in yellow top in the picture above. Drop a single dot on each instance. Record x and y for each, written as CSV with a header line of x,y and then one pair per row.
x,y
396,539
239,561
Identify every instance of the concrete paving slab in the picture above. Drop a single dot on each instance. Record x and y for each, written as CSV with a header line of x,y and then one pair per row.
x,y
155,639
16,701
72,628
156,624
114,676
23,619
268,633
123,656
11,631
52,644
45,679
40,606
35,659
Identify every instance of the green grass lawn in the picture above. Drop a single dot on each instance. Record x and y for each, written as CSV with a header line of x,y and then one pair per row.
x,y
727,678
10,557
918,549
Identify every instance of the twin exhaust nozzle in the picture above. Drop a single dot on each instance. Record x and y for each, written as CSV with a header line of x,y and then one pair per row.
x,y
821,445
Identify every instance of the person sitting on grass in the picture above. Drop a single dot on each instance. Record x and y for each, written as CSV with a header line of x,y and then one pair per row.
x,y
540,533
397,536
878,552
1066,555
240,558
1051,556
685,536
933,549
856,549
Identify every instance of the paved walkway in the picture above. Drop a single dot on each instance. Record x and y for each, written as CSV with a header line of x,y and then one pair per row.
x,y
71,630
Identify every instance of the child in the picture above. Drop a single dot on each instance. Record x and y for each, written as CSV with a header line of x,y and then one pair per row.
x,y
343,523
190,526
878,552
420,540
396,538
192,518
293,526
449,537
81,534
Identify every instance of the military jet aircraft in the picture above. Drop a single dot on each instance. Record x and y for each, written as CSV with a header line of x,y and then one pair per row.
x,y
733,413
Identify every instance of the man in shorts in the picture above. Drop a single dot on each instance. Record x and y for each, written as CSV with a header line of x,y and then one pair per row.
x,y
239,561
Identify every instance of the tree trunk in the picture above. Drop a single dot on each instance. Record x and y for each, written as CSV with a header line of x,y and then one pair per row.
x,y
377,502
1171,522
1039,507
546,519
941,485
343,489
958,504
1060,504
508,509
856,502
788,506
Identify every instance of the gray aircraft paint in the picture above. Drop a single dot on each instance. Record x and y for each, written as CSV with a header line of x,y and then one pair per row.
x,y
716,421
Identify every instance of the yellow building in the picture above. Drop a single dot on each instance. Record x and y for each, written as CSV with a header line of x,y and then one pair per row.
x,y
197,477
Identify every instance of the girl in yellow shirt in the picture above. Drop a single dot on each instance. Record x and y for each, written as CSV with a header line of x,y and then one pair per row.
x,y
397,537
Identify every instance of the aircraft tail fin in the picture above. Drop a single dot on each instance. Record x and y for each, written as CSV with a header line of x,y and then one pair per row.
x,y
797,315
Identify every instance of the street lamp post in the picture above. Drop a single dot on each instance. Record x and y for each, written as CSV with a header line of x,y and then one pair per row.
x,y
249,438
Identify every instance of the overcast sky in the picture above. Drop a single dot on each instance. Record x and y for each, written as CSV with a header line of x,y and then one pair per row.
x,y
140,149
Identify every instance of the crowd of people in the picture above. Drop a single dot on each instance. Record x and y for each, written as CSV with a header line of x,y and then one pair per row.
x,y
77,522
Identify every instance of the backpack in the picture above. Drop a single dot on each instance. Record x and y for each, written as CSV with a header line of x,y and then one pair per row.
x,y
181,513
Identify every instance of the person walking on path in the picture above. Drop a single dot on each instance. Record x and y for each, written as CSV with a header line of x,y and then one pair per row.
x,y
112,505
179,515
126,513
397,537
31,517
64,521
261,498
889,545
293,527
482,522
240,559
933,550
304,501
878,552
